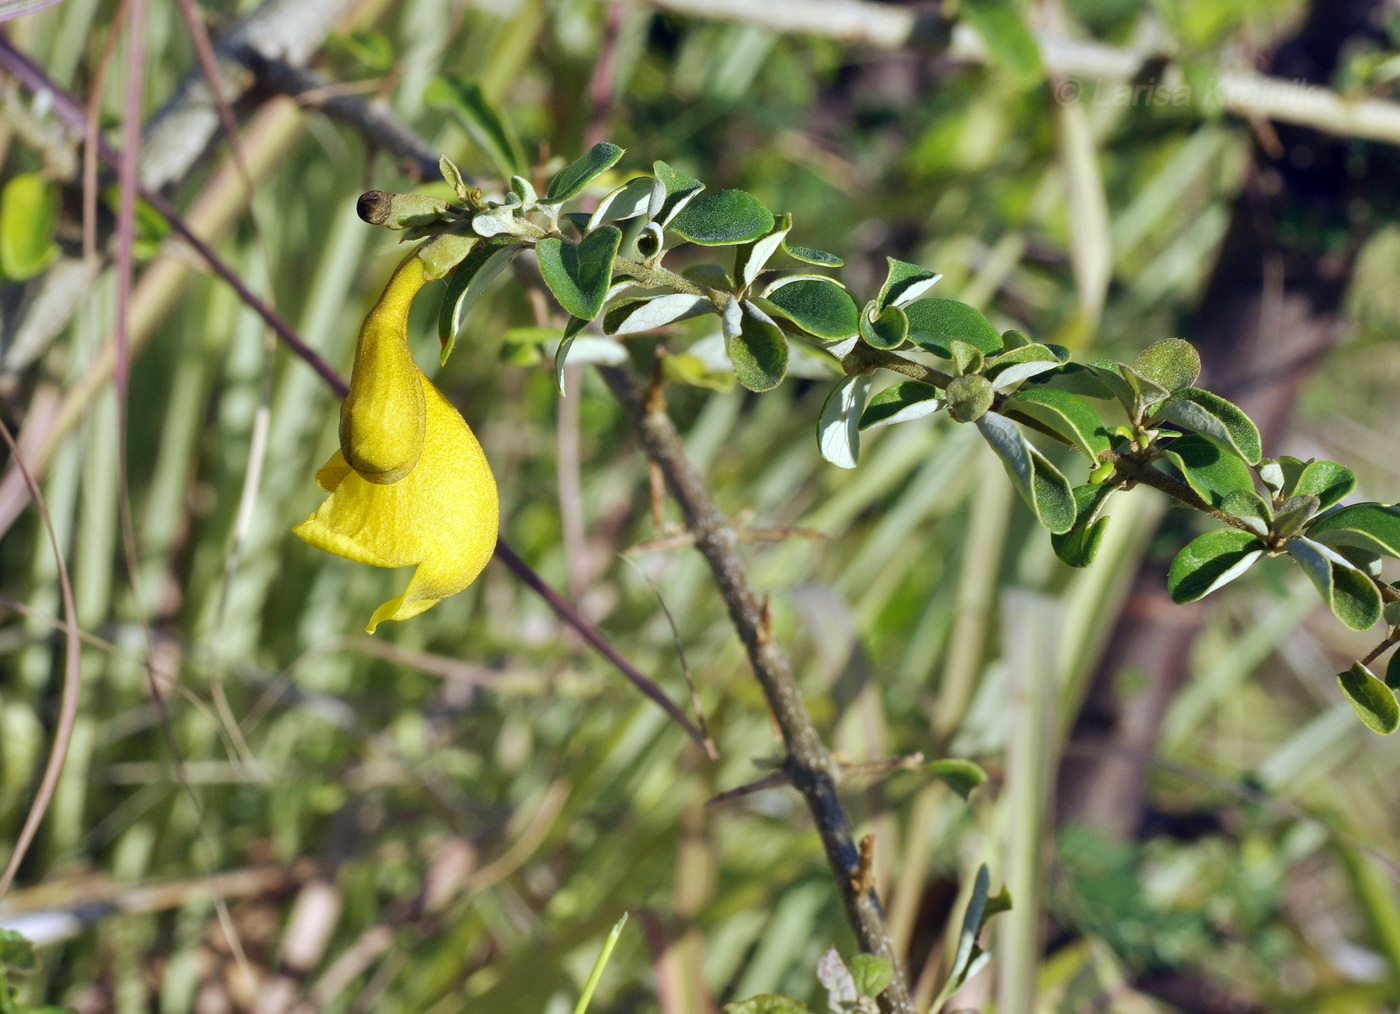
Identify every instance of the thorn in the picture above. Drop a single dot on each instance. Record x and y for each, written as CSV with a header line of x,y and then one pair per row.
x,y
876,768
765,622
772,781
656,486
863,880
656,391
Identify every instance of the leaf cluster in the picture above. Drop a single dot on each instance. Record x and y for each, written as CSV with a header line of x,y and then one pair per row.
x,y
1144,422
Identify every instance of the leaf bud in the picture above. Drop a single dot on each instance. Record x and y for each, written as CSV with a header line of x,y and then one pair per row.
x,y
970,397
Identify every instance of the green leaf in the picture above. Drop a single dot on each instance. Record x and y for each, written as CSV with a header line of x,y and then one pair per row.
x,y
817,304
1251,509
1136,392
838,425
969,958
903,402
1351,595
1012,45
27,212
1078,546
1076,379
468,105
466,284
751,258
1373,700
628,201
759,351
904,283
962,776
525,191
671,193
1281,474
807,255
1326,480
1211,561
579,276
885,330
566,345
577,174
1370,526
1173,363
685,368
724,219
1018,365
1209,470
933,323
16,952
1392,672
768,1003
372,49
968,359
1293,513
633,316
1212,416
1067,414
872,974
1040,483
499,220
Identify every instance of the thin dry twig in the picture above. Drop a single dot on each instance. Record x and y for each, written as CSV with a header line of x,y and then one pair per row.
x,y
68,701
1084,63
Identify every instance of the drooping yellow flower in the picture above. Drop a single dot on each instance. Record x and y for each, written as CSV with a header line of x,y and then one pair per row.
x,y
410,485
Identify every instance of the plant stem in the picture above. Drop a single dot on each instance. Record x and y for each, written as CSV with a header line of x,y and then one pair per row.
x,y
808,764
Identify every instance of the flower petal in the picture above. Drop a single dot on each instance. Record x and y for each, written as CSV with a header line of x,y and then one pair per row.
x,y
383,417
442,516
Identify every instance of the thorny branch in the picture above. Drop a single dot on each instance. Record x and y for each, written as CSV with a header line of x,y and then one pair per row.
x,y
809,765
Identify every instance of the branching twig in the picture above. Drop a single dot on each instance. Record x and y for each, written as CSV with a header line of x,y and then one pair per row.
x,y
1084,65
808,765
373,123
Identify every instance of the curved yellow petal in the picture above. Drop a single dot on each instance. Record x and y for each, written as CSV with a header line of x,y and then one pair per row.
x,y
442,516
383,417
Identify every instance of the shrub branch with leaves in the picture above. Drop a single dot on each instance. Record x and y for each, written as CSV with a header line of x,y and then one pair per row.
x,y
1144,423
1140,423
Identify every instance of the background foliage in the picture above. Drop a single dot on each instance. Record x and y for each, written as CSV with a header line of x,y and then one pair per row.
x,y
450,816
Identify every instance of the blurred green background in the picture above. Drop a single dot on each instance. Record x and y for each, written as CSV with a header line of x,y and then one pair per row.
x,y
449,817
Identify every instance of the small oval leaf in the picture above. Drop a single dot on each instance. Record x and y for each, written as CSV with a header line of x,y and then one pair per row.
x,y
838,425
579,276
904,283
759,352
1067,414
465,286
962,776
1370,526
1210,561
724,219
634,316
1172,362
1212,416
934,323
1326,480
912,399
575,176
1212,472
886,329
1374,702
1350,593
818,305
1040,483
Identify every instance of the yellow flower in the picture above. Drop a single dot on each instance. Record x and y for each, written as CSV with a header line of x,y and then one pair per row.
x,y
410,485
